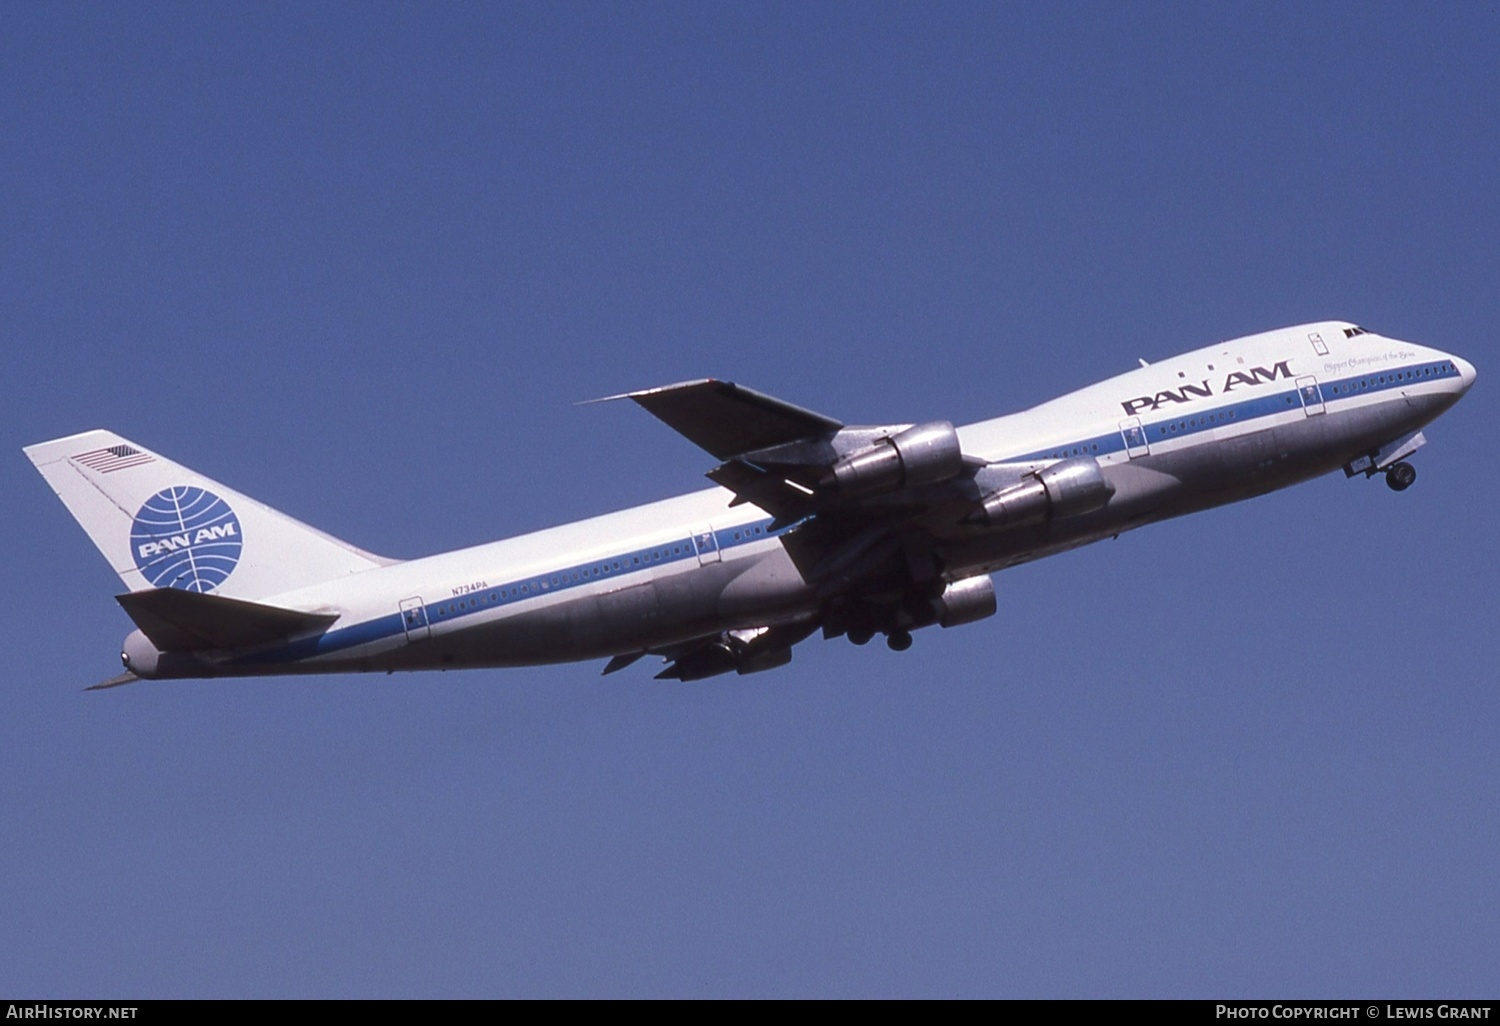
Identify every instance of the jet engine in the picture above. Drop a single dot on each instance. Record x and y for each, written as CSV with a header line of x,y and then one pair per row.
x,y
1068,488
965,601
924,454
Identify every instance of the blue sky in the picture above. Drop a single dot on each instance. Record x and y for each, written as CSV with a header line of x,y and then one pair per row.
x,y
360,261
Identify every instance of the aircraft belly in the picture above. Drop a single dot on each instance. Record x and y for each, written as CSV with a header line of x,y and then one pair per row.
x,y
749,591
764,587
1145,484
1368,427
1246,456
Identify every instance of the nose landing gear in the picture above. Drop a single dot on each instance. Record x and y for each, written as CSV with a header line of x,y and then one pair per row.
x,y
1400,476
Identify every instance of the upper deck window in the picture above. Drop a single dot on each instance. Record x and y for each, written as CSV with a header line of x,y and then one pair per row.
x,y
1351,332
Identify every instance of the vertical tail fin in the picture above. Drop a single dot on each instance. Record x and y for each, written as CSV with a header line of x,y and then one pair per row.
x,y
161,525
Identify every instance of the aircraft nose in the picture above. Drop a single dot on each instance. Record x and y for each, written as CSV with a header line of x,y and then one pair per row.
x,y
1466,373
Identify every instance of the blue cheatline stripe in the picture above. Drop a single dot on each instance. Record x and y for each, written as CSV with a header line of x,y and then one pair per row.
x,y
1251,409
510,593
680,549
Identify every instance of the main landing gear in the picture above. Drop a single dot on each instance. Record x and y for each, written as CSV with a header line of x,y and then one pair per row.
x,y
899,641
1400,476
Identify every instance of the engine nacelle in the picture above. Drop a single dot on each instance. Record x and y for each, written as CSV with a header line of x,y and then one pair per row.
x,y
965,601
925,454
1068,488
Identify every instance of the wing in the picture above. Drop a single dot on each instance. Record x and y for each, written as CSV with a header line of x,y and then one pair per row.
x,y
867,514
728,419
793,462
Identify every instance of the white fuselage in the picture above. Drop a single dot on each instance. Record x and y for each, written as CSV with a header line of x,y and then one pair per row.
x,y
1225,422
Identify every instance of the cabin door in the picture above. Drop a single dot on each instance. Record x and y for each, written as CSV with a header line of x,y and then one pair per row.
x,y
707,545
1135,438
1312,395
414,619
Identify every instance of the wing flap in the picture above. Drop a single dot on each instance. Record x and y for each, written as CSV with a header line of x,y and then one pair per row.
x,y
777,494
752,650
190,621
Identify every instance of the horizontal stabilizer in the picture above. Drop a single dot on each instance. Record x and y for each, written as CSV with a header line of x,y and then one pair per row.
x,y
190,621
113,682
728,419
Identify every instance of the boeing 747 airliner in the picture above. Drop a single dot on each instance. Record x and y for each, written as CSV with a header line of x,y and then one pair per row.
x,y
812,525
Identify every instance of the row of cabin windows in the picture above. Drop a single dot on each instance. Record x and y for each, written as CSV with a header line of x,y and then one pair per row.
x,y
1386,379
574,576
1382,379
1077,450
1192,422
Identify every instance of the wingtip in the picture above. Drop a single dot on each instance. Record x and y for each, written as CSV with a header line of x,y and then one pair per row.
x,y
604,399
641,393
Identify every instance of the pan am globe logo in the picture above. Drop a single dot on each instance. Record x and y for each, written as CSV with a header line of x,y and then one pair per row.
x,y
186,538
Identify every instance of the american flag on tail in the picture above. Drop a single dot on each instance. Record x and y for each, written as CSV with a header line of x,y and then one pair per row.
x,y
112,458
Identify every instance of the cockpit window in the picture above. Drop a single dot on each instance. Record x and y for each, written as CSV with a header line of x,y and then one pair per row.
x,y
1351,332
